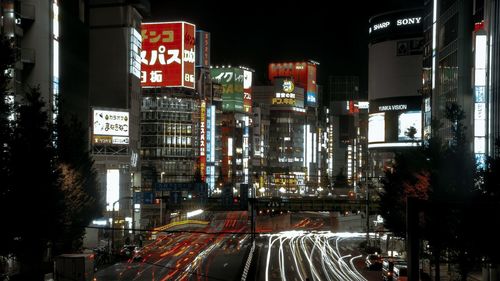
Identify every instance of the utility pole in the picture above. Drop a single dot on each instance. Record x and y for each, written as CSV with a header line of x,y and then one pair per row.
x,y
113,221
367,213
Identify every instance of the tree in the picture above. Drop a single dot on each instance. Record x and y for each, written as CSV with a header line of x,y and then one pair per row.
x,y
325,180
35,202
341,180
411,133
78,184
6,61
440,175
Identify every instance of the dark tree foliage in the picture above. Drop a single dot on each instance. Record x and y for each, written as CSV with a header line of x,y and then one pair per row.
x,y
78,184
341,180
325,180
48,192
486,212
35,202
441,176
6,61
404,178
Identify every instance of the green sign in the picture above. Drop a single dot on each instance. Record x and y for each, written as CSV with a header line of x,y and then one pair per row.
x,y
231,80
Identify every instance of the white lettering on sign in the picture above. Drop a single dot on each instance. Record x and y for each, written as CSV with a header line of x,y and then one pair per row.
x,y
408,21
392,107
381,25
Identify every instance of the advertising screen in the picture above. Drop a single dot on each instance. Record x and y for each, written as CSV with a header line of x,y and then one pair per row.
x,y
303,74
168,54
407,120
110,127
376,127
232,82
312,91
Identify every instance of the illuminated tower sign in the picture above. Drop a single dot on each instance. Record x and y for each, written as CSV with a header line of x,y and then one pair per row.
x,y
168,54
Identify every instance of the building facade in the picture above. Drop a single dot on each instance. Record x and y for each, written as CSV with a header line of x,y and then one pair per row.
x,y
394,86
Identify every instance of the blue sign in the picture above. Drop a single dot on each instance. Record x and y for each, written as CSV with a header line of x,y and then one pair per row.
x,y
181,186
145,197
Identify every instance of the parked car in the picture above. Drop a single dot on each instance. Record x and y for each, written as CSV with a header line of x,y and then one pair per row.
x,y
373,262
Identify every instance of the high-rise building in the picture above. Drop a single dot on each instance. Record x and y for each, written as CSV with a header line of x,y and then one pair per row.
x,y
460,36
343,88
492,28
347,130
286,148
50,38
114,89
235,130
173,119
394,85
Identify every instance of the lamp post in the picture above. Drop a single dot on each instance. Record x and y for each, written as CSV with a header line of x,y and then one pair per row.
x,y
113,222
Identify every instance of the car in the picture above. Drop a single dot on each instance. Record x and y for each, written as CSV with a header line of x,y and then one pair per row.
x,y
373,262
400,272
128,251
388,265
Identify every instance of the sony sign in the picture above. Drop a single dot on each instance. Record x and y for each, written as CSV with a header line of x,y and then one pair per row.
x,y
408,21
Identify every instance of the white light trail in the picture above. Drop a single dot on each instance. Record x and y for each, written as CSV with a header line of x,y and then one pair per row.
x,y
316,256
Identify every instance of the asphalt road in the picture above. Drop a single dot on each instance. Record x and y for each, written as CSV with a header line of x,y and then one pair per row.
x,y
322,255
215,252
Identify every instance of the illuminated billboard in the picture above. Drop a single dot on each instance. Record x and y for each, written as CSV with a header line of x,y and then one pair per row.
x,y
233,92
112,189
406,120
247,91
303,74
110,127
168,54
203,127
390,120
376,127
287,94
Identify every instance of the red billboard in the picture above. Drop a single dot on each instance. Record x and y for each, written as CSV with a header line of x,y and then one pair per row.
x,y
168,54
303,73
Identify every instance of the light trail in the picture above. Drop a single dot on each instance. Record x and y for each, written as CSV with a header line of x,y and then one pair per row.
x,y
314,255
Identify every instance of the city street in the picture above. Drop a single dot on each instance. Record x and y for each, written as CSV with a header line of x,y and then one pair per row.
x,y
201,255
298,255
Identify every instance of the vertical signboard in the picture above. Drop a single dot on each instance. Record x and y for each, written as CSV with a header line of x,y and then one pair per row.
x,y
189,57
210,148
480,97
135,57
168,54
202,49
312,91
203,127
247,91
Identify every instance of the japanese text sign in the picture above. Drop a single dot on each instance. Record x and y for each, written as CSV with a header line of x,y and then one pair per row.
x,y
168,54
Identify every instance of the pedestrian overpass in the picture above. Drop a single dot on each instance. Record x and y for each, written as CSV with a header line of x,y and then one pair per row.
x,y
280,204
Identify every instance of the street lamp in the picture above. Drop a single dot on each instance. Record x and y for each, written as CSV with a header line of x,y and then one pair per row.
x,y
113,221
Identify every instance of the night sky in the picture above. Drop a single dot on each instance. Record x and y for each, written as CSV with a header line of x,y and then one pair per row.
x,y
254,33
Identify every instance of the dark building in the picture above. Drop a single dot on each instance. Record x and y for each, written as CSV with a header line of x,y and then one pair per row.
x,y
114,89
460,36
